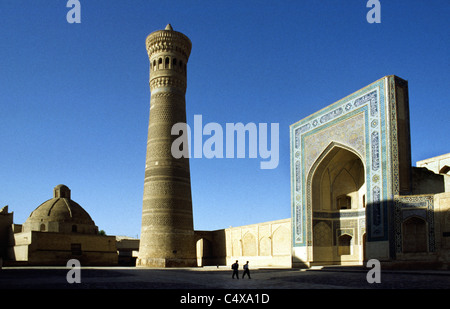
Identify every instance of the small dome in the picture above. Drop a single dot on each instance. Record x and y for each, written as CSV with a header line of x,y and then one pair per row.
x,y
60,214
61,191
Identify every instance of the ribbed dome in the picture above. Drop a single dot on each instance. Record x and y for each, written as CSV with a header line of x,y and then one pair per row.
x,y
61,210
58,212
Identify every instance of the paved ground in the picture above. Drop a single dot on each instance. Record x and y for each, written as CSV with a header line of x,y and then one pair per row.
x,y
213,278
212,287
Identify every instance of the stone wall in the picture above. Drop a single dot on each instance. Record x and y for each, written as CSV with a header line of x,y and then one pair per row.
x,y
126,247
438,165
6,221
47,248
442,219
425,181
422,231
263,245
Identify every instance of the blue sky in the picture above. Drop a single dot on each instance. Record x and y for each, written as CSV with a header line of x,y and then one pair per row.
x,y
74,98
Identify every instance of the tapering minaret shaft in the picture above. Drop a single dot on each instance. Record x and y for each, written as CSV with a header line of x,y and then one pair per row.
x,y
167,233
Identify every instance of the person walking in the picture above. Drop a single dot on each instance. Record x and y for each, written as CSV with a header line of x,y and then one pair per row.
x,y
246,271
235,268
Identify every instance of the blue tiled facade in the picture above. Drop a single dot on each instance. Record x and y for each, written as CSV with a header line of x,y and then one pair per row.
x,y
365,123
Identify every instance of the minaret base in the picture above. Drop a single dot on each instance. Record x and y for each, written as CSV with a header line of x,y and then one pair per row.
x,y
163,263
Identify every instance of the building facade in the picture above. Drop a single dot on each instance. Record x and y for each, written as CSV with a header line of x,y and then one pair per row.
x,y
354,193
438,165
266,244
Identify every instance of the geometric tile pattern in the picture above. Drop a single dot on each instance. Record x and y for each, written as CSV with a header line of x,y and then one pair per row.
x,y
421,206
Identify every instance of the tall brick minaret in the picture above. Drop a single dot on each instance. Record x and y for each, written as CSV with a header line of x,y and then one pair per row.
x,y
167,232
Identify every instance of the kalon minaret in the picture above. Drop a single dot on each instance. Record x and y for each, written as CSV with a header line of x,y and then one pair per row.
x,y
167,233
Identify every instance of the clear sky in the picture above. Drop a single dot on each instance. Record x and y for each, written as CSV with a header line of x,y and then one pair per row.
x,y
74,98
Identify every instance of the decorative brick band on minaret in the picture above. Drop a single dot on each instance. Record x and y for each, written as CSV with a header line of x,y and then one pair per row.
x,y
167,233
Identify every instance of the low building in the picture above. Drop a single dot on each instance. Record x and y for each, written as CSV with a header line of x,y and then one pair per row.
x,y
59,230
266,244
6,223
438,165
127,249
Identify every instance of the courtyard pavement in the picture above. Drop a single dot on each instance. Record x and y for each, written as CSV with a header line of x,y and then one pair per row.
x,y
339,277
175,283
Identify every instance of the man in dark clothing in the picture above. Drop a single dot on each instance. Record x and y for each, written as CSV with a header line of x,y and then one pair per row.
x,y
235,268
246,271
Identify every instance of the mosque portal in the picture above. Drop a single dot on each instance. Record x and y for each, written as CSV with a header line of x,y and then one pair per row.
x,y
338,204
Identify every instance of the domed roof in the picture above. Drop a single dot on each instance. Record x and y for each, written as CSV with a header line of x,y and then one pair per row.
x,y
60,209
